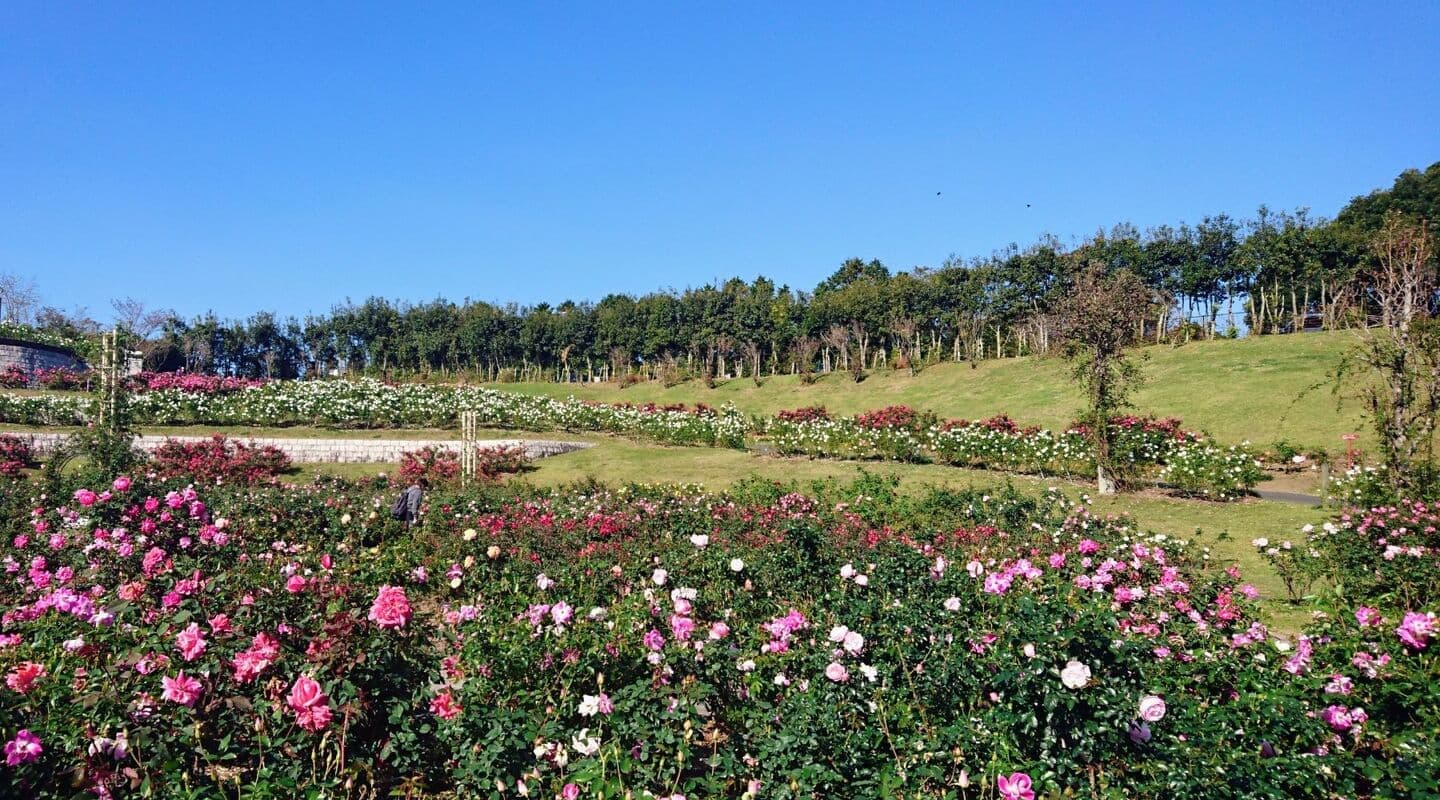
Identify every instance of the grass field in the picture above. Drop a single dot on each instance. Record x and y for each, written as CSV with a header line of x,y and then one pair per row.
x,y
1258,389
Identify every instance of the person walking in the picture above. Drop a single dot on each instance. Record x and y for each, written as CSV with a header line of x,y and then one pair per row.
x,y
414,496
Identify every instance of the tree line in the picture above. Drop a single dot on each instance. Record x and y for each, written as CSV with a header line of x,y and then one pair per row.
x,y
1277,272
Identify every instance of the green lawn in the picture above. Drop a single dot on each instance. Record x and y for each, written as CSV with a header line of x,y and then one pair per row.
x,y
1257,389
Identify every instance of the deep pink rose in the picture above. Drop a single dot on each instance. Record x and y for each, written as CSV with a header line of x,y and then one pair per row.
x,y
391,608
181,689
1016,787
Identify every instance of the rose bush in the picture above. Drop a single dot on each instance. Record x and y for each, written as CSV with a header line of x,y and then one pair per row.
x,y
157,639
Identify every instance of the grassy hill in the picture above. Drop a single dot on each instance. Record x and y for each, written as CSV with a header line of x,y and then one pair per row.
x,y
1259,389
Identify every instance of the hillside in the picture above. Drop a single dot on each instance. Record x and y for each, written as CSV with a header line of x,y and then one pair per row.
x,y
1259,389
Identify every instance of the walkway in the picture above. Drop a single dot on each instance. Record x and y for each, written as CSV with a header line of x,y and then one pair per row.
x,y
339,451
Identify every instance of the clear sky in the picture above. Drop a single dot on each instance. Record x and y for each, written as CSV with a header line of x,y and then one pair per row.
x,y
286,157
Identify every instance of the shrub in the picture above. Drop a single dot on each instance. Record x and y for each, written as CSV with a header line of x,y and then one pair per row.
x,y
220,460
491,463
438,465
13,377
806,414
15,455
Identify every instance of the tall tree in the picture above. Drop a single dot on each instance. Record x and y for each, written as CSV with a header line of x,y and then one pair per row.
x,y
1100,317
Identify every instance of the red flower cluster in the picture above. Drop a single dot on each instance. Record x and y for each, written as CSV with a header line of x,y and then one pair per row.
x,y
15,454
887,417
806,414
220,460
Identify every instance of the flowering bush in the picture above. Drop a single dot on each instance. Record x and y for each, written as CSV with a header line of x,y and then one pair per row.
x,y
219,460
1388,554
1160,449
491,463
15,455
436,464
806,414
14,377
371,403
191,383
586,643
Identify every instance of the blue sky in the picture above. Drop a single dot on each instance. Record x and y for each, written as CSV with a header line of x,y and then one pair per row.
x,y
286,157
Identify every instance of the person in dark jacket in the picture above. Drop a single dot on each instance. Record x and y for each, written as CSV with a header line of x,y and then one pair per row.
x,y
414,496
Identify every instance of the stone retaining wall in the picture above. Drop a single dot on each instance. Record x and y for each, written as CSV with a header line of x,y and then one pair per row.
x,y
33,357
338,451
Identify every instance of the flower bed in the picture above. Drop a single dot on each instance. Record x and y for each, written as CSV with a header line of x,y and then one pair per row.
x,y
1160,449
219,460
649,642
371,403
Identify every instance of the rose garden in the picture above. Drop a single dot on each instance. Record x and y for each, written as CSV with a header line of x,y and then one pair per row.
x,y
197,625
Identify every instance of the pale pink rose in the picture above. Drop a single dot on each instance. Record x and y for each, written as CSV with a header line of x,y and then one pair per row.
x,y
1075,675
837,672
1152,708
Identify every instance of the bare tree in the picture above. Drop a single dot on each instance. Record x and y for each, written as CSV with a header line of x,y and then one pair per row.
x,y
18,299
837,337
132,315
1396,366
1100,318
803,352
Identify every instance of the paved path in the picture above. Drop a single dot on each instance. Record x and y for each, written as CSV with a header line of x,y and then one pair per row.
x,y
340,451
1289,497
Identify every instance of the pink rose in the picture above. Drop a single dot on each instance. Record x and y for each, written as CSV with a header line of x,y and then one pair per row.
x,y
570,792
85,497
391,608
23,676
1152,708
444,706
837,672
24,748
306,693
1016,787
121,484
181,689
308,701
295,584
190,642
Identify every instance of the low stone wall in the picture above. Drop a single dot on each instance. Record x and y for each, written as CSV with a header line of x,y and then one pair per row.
x,y
338,451
33,357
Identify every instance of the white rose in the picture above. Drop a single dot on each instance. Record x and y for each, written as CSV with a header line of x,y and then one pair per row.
x,y
1075,675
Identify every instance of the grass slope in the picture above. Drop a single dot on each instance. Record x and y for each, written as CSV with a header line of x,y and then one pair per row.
x,y
1258,389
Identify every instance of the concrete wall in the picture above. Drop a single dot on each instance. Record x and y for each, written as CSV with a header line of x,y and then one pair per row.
x,y
31,357
339,451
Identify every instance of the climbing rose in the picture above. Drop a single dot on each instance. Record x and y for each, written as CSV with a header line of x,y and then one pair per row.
x,y
391,609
